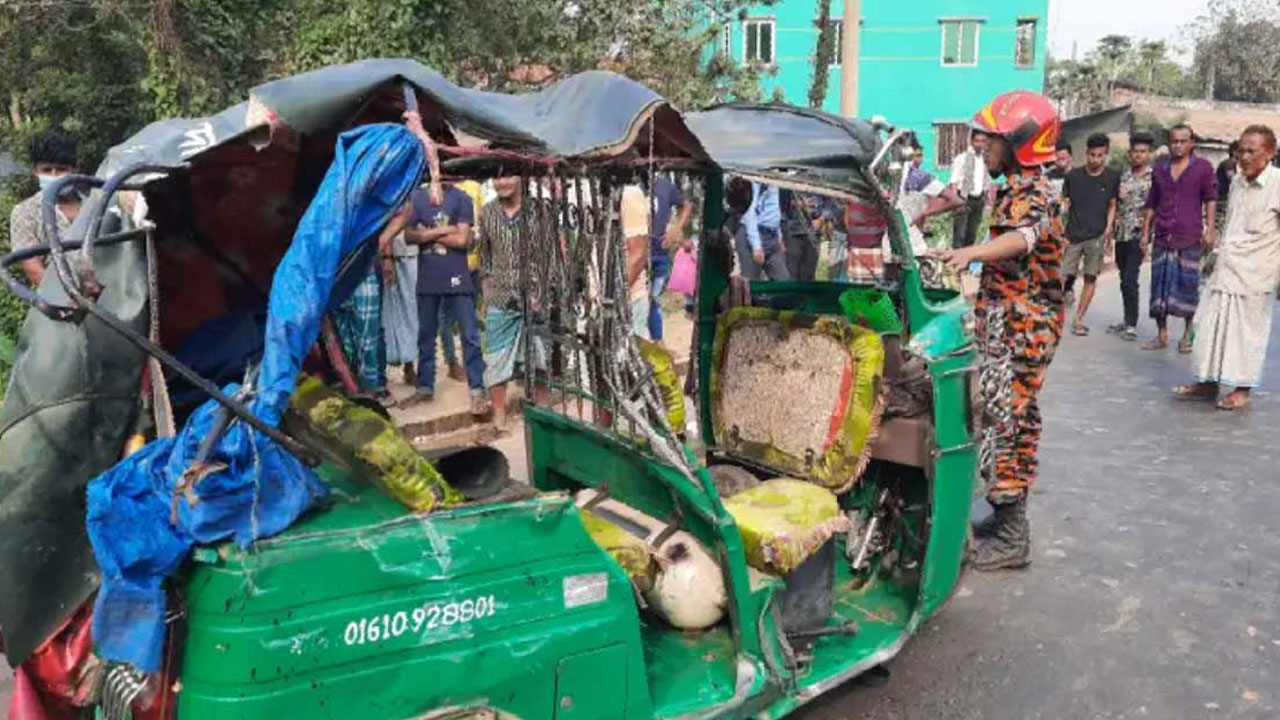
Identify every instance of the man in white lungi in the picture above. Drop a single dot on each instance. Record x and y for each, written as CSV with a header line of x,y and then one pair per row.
x,y
1233,321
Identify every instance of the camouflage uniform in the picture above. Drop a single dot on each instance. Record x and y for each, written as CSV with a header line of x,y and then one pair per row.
x,y
1029,289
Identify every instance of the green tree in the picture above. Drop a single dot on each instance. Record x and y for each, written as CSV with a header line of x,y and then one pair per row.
x,y
70,64
822,57
1237,51
1113,57
1078,85
1151,53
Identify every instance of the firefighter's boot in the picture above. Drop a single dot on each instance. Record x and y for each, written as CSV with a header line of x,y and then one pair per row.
x,y
1008,544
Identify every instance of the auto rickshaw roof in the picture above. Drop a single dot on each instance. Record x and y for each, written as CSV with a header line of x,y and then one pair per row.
x,y
591,117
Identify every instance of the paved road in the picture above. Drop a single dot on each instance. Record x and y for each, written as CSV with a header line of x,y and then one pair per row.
x,y
1155,590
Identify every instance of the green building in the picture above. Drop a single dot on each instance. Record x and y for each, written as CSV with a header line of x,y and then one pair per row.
x,y
926,65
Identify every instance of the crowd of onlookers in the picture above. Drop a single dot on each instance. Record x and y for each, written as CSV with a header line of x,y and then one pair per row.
x,y
449,271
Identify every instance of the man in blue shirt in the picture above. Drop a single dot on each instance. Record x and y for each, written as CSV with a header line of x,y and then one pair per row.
x,y
663,237
759,240
445,286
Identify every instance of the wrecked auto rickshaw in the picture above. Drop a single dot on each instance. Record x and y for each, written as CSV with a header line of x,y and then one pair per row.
x,y
813,518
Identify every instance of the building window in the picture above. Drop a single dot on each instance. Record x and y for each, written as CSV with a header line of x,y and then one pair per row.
x,y
726,40
1024,49
952,139
960,42
836,37
758,41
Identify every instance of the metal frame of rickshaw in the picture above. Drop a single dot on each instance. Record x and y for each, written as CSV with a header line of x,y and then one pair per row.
x,y
82,289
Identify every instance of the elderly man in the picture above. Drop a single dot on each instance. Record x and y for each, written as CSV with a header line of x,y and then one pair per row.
x,y
1233,323
1179,228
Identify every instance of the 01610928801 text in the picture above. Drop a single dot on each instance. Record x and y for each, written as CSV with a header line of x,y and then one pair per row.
x,y
421,619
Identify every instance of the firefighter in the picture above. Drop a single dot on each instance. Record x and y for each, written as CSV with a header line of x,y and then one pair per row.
x,y
1022,276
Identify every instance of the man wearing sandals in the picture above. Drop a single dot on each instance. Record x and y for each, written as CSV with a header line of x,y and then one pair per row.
x,y
1135,186
1089,195
1233,323
1179,229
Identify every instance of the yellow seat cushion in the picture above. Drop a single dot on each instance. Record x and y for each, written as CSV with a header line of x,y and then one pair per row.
x,y
784,521
669,385
373,445
626,549
798,393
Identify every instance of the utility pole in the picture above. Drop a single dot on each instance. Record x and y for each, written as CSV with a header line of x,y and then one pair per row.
x,y
851,28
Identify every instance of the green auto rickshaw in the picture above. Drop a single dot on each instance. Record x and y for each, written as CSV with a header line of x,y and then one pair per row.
x,y
790,529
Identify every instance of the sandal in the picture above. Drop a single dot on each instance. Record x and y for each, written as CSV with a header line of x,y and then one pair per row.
x,y
1184,346
1156,344
1080,330
1198,391
1233,402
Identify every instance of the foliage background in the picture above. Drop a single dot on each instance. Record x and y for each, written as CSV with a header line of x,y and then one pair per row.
x,y
1231,52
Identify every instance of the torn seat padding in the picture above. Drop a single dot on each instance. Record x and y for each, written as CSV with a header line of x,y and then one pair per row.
x,y
798,393
372,447
624,547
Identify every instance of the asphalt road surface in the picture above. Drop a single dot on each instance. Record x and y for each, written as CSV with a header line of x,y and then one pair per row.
x,y
1155,588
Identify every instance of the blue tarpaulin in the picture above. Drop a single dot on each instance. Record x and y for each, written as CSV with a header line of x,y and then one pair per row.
x,y
252,488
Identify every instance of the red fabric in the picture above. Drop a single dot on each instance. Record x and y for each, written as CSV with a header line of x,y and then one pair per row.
x,y
52,684
836,426
27,703
48,682
337,360
865,224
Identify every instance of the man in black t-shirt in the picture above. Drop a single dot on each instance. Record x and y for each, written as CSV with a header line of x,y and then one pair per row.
x,y
1089,197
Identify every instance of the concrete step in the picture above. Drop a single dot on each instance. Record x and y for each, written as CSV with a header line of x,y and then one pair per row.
x,y
474,434
456,421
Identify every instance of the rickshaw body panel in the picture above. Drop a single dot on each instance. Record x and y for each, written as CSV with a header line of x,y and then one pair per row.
x,y
367,611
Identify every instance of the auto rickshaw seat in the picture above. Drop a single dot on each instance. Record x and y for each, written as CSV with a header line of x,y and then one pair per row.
x,y
788,530
784,521
798,394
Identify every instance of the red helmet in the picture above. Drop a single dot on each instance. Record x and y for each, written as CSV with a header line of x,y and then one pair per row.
x,y
1027,121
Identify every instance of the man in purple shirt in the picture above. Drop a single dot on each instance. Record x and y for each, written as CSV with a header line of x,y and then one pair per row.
x,y
1179,228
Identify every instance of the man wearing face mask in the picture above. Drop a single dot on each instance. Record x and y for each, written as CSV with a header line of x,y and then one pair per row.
x,y
1022,284
53,154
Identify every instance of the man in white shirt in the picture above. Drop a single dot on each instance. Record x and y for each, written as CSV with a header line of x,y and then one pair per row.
x,y
922,197
1233,320
970,180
